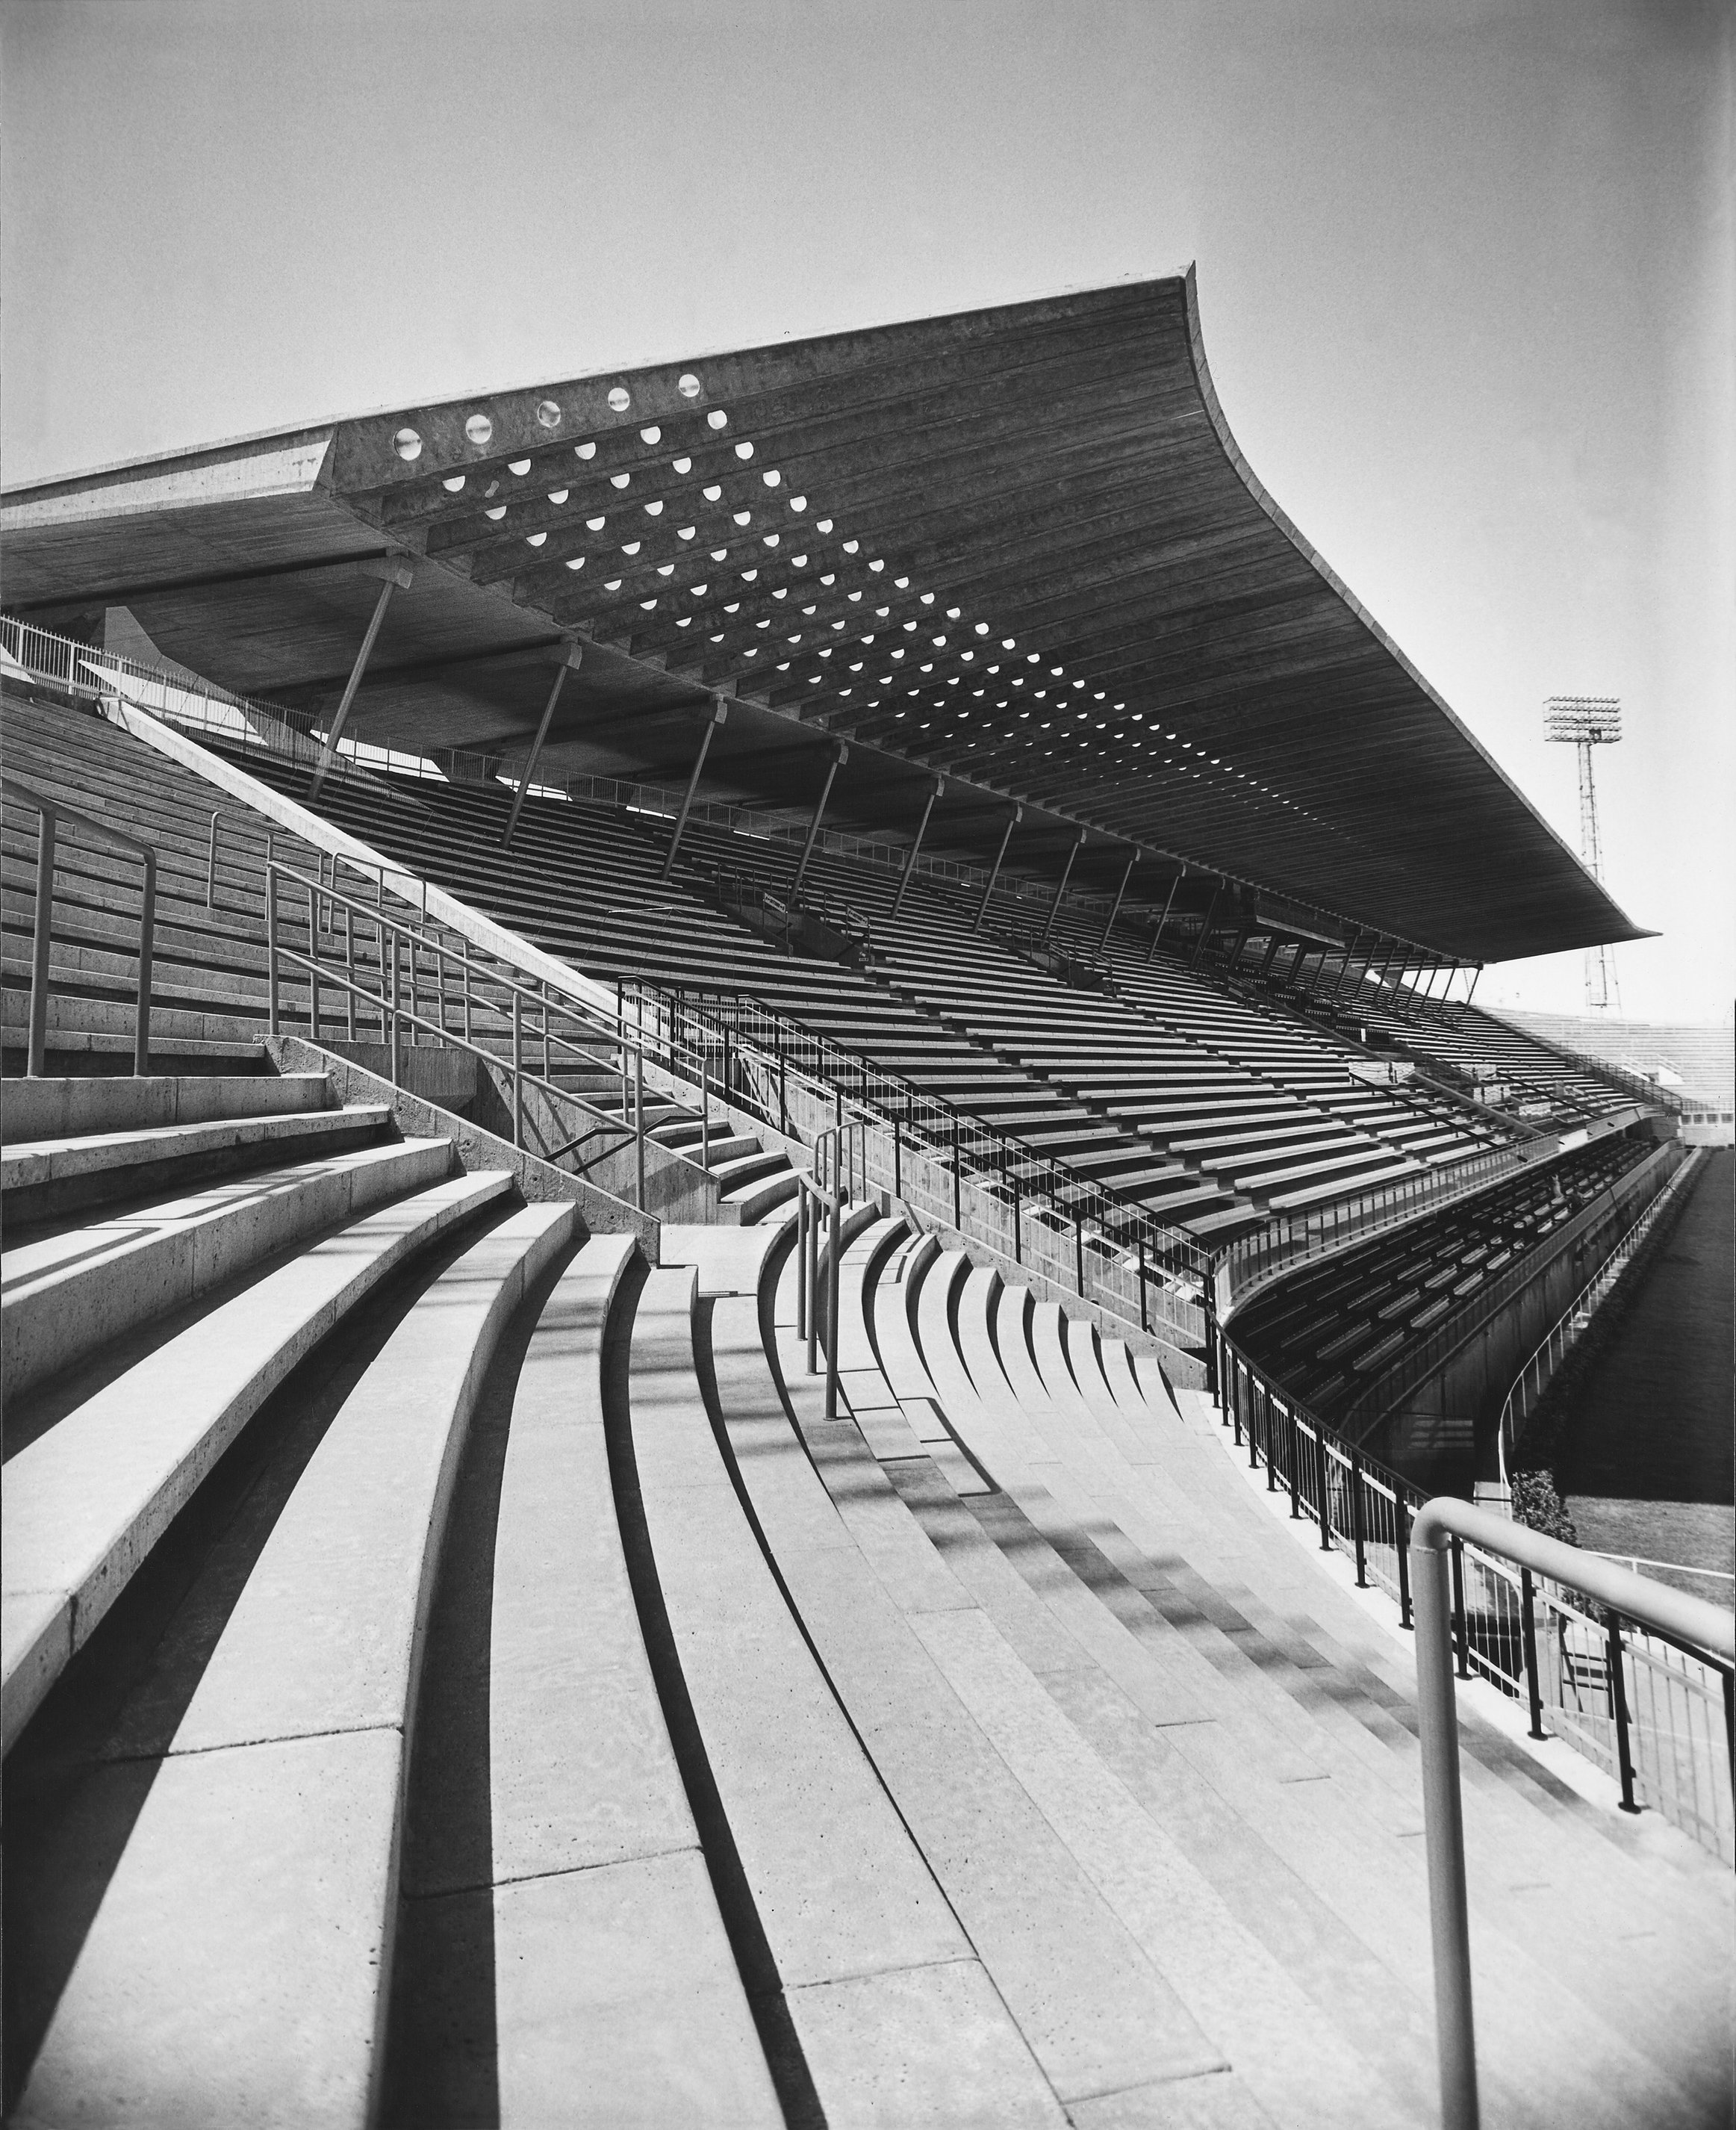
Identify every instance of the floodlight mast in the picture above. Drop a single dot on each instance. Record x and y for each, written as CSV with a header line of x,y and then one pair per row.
x,y
1584,722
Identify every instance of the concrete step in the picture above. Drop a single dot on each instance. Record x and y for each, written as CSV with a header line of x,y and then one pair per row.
x,y
47,1108
86,1498
752,1201
261,1871
876,1972
88,1054
67,1293
48,1179
613,1977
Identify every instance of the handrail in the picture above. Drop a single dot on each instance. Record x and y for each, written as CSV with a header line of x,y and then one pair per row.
x,y
393,933
1537,1643
840,1154
1441,1529
51,810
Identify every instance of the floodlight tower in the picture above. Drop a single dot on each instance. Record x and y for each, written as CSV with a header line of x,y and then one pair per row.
x,y
1585,722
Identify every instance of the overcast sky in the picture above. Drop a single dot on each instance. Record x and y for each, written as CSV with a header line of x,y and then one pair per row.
x,y
1465,273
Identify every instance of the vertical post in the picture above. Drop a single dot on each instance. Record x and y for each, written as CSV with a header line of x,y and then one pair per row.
x,y
1013,819
898,1160
922,829
1078,1256
349,975
572,657
464,955
802,1217
1527,1628
1292,1458
518,1063
1400,1521
1323,1459
313,1016
719,711
957,1182
1448,1916
814,1263
638,1110
1358,1519
396,1068
833,1282
40,941
1619,1708
1143,1324
1460,1638
271,997
210,865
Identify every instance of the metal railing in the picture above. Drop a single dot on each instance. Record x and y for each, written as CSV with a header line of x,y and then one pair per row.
x,y
402,980
1654,1657
840,1160
1539,1371
1283,1245
50,812
1662,1727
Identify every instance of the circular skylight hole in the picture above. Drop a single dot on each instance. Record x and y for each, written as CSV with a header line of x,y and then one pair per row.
x,y
619,480
548,413
407,444
652,436
479,429
453,484
716,418
744,451
688,385
771,476
620,399
585,451
520,467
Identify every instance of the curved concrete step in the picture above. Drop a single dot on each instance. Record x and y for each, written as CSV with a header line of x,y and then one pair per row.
x,y
260,1872
67,1293
85,1501
48,1178
70,1108
616,1997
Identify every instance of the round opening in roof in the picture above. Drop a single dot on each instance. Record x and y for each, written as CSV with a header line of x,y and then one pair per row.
x,y
651,436
688,385
479,429
771,476
407,444
548,413
716,418
744,451
619,399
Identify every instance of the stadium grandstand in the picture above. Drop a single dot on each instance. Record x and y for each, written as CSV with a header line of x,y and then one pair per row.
x,y
758,1230
1694,1061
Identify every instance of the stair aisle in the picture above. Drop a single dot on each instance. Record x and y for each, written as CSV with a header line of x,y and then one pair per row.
x,y
1527,1817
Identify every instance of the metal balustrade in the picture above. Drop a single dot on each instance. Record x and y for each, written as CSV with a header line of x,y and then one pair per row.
x,y
1654,1714
50,813
1640,1678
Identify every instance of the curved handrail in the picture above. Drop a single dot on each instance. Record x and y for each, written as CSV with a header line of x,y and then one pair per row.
x,y
50,812
1689,1622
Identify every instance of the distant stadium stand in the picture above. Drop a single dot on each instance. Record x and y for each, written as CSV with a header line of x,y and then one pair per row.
x,y
791,1119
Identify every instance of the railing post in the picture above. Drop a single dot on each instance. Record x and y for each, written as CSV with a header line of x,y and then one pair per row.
x,y
1078,1256
833,1282
1400,1521
801,1256
898,1161
517,1060
1291,1430
314,960
813,1273
1461,1635
464,956
40,941
270,947
1444,1835
957,1182
397,1069
1323,1458
1527,1632
1619,1708
1143,1324
210,865
638,1105
1358,1519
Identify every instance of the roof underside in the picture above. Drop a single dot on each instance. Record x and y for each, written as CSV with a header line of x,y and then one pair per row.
x,y
1018,548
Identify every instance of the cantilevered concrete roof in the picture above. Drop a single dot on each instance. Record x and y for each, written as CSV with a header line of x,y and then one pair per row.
x,y
1017,546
